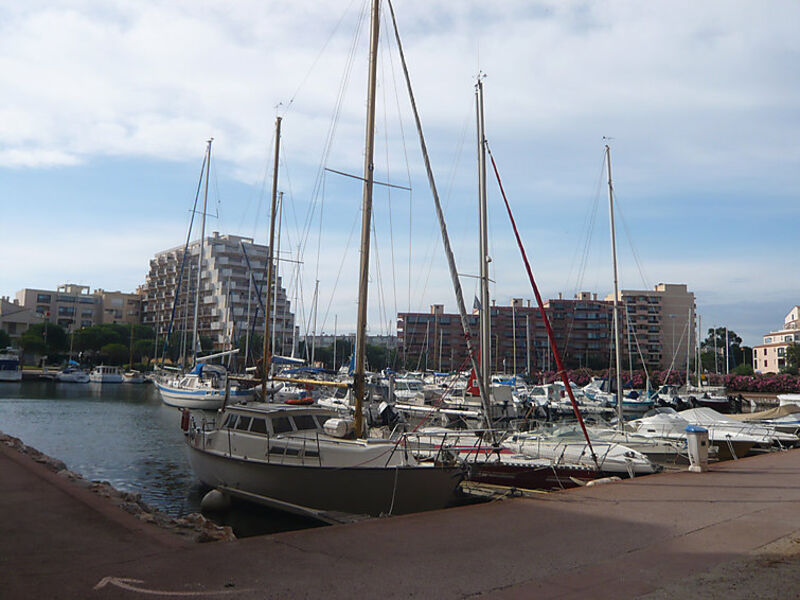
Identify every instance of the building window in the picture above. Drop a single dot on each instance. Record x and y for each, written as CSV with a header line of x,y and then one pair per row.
x,y
765,364
767,340
781,351
45,298
66,311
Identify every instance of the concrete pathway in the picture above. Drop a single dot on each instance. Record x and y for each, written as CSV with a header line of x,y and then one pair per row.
x,y
619,540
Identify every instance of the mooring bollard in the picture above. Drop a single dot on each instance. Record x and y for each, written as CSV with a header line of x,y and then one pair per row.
x,y
697,445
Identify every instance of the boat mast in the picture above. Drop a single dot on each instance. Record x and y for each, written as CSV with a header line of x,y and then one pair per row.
x,y
277,276
195,338
699,365
266,357
485,311
689,331
448,250
616,288
366,217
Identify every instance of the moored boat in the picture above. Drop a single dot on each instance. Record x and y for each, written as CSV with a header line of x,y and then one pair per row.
x,y
205,388
295,458
105,374
133,376
72,374
9,365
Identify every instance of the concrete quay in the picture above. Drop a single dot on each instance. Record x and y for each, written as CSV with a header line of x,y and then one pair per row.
x,y
620,540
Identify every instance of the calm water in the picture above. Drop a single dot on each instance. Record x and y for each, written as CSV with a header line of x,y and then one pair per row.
x,y
123,434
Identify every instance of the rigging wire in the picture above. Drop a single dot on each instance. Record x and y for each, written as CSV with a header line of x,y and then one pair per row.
x,y
427,263
634,253
345,12
343,84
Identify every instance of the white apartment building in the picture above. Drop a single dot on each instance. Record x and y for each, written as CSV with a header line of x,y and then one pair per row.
x,y
226,291
770,357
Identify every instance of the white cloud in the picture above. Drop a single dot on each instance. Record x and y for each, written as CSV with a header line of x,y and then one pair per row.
x,y
701,99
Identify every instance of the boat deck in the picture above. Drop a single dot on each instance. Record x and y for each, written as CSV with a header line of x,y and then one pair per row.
x,y
619,540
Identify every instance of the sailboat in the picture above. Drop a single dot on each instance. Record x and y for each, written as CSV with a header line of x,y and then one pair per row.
x,y
306,459
206,386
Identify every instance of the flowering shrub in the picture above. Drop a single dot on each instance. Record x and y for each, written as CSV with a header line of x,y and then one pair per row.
x,y
768,383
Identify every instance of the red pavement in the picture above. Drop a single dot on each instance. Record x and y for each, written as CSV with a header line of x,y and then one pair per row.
x,y
614,541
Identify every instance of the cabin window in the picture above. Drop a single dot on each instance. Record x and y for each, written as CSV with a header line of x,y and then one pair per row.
x,y
230,422
283,451
259,426
303,422
244,423
281,425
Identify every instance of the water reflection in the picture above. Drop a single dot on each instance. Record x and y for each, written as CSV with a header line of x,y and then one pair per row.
x,y
123,434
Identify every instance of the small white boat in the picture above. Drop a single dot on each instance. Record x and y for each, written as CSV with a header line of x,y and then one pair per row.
x,y
205,388
72,374
132,376
612,458
9,365
105,374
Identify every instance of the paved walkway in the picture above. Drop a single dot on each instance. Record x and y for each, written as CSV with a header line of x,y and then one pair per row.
x,y
616,541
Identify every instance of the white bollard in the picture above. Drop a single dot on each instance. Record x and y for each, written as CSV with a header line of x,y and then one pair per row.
x,y
697,445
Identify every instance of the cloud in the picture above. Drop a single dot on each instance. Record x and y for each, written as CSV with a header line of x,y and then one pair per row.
x,y
700,98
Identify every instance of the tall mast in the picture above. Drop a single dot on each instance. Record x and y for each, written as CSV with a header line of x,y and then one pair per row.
x,y
366,217
277,275
266,355
689,332
483,237
200,256
616,288
528,345
698,365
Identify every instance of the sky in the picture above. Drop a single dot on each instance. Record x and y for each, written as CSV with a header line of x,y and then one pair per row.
x,y
107,106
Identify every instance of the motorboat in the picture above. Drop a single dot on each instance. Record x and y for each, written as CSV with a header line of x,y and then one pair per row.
x,y
72,373
764,434
656,449
10,369
784,418
491,463
133,376
305,459
105,374
612,458
733,440
205,387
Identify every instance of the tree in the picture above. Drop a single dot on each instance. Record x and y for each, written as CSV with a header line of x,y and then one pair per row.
x,y
793,358
114,354
716,340
44,339
744,369
5,339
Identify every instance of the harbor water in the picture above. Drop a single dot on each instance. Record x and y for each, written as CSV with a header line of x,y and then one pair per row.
x,y
122,434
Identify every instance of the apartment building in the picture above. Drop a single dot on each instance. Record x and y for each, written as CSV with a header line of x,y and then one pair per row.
x,y
232,281
74,306
770,357
582,328
15,319
658,326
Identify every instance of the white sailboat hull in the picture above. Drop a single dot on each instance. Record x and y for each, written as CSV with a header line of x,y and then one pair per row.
x,y
200,399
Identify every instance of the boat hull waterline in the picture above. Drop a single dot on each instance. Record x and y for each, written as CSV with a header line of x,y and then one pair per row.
x,y
356,490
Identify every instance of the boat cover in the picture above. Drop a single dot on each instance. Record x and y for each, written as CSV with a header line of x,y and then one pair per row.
x,y
772,413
